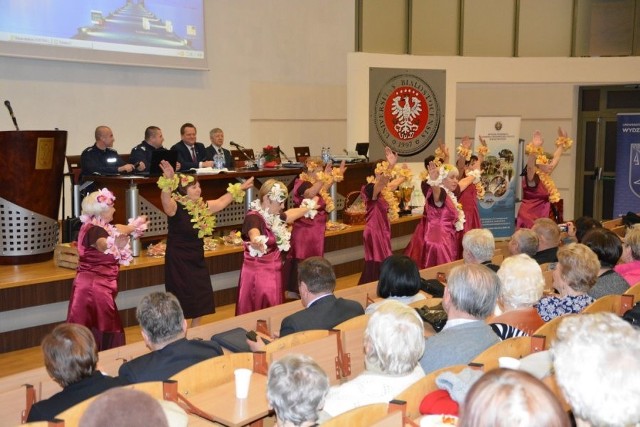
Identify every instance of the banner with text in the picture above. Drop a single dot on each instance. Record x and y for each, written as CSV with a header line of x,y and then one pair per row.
x,y
500,172
627,189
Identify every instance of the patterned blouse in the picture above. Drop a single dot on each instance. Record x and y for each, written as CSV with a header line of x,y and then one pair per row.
x,y
550,307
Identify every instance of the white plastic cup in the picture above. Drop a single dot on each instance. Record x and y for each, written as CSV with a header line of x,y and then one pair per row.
x,y
509,362
243,379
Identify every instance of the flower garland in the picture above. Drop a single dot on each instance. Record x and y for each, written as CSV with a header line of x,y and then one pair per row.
x,y
545,178
327,179
464,152
383,169
236,191
443,172
480,190
122,255
203,220
439,154
278,228
483,150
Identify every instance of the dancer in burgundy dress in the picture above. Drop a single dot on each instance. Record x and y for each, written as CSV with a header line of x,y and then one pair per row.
x,y
307,235
102,247
190,219
381,208
266,236
538,189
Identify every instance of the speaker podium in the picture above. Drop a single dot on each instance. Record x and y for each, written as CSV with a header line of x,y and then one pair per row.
x,y
32,168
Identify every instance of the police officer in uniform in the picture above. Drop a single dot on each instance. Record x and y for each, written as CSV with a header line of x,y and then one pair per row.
x,y
101,158
141,153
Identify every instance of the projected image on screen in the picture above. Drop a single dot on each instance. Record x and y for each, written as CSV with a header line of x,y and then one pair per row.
x,y
169,28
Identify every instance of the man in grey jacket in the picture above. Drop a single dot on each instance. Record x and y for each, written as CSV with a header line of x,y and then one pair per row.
x,y
469,298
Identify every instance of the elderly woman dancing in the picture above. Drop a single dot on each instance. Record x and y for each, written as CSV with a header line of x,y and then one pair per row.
x,y
102,247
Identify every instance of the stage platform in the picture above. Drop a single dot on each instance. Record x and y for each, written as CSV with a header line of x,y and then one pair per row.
x,y
34,297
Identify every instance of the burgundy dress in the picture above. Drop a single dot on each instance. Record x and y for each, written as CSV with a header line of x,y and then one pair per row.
x,y
440,244
185,273
376,236
260,283
468,198
94,290
535,203
415,246
307,236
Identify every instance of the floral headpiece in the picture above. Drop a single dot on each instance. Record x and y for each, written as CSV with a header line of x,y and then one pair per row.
x,y
105,198
185,180
277,193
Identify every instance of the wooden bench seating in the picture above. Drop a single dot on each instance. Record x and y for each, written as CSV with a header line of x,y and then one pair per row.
x,y
370,415
616,304
512,347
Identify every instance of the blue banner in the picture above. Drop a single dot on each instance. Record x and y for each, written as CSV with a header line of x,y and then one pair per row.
x,y
627,190
500,173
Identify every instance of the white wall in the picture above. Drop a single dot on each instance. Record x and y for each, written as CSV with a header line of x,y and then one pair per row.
x,y
543,91
254,46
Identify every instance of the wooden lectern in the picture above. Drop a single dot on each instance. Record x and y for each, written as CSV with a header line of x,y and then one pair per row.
x,y
32,165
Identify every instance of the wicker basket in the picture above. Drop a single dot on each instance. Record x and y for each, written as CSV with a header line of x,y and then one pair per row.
x,y
354,213
66,256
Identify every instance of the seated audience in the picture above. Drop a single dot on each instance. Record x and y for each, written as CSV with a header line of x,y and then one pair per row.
x,y
393,344
399,281
548,240
573,277
523,241
595,357
522,285
316,283
629,268
506,397
608,248
70,357
164,331
296,390
478,247
579,227
469,298
123,407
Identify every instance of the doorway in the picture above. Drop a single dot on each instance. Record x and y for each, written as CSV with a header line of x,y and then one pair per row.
x,y
596,144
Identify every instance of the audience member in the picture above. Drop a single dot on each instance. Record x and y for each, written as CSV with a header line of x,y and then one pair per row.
x,y
101,158
191,154
216,136
548,240
399,281
574,275
581,226
524,241
70,357
141,154
522,285
393,344
469,298
164,331
323,310
597,366
296,390
123,407
478,247
608,248
506,397
629,268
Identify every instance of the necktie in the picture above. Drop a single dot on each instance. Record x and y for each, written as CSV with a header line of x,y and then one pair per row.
x,y
193,154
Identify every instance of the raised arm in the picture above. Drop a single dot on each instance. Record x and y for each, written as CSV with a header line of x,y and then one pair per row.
x,y
296,213
463,153
225,200
537,142
434,173
442,151
169,206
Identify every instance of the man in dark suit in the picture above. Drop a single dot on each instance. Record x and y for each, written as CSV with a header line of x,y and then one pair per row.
x,y
164,331
316,282
217,139
191,154
141,154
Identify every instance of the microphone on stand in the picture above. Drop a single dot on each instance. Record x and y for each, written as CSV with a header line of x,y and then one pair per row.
x,y
284,155
238,146
244,153
8,105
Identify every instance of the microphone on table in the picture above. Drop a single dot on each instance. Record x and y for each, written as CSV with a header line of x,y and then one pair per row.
x,y
8,105
284,155
244,153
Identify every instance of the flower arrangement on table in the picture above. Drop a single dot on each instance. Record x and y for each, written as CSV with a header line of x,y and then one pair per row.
x,y
271,156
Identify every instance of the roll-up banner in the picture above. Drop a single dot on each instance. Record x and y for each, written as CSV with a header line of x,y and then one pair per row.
x,y
500,172
627,189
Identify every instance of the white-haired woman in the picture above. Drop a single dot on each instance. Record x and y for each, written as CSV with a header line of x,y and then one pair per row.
x,y
102,247
393,345
574,275
266,236
522,285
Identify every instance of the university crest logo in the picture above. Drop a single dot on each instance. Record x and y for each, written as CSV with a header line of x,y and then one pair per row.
x,y
407,114
634,169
